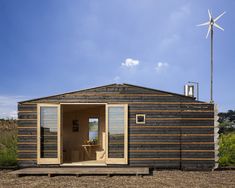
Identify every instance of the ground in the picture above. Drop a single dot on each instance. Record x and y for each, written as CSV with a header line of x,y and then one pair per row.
x,y
173,178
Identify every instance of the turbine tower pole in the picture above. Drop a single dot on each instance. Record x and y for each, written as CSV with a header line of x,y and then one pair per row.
x,y
211,23
212,65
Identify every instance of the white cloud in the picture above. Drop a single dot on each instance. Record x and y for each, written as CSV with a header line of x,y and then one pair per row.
x,y
13,114
161,66
129,63
116,79
8,106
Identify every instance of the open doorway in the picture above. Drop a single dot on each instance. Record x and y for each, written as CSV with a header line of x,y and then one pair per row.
x,y
83,130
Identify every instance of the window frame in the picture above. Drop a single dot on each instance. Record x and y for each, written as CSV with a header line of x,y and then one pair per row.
x,y
48,160
123,160
136,118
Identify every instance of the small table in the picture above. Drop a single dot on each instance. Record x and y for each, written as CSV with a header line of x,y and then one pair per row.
x,y
88,148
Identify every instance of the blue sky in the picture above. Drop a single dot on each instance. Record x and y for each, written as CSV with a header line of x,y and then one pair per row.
x,y
53,46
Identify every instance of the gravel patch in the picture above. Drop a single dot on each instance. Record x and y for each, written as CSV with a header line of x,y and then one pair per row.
x,y
161,179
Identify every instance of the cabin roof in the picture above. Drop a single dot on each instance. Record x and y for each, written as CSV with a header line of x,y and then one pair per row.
x,y
93,89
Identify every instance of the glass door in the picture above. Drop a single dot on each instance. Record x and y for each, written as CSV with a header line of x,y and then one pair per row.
x,y
116,134
48,141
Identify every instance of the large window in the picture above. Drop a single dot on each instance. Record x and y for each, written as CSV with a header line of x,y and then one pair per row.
x,y
48,134
117,134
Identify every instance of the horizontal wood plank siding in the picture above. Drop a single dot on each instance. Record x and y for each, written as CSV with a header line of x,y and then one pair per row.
x,y
178,131
27,134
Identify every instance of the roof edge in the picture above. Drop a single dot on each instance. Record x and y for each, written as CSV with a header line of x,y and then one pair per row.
x,y
166,92
71,92
160,91
181,95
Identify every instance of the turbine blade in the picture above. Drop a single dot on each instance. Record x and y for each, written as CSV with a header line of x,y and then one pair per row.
x,y
208,31
209,13
218,17
216,25
206,23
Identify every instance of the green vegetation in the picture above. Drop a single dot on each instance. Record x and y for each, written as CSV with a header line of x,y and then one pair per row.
x,y
227,149
93,124
227,122
8,140
227,138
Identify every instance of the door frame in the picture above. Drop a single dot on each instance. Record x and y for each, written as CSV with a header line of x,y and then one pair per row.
x,y
61,129
48,160
117,160
59,159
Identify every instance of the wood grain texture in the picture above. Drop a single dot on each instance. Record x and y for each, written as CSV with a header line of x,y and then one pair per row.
x,y
167,150
150,135
176,128
169,127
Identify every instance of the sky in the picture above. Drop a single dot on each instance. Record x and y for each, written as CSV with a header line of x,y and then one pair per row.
x,y
50,47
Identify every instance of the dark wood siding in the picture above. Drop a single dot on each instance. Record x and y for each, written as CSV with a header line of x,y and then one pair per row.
x,y
178,133
174,135
27,134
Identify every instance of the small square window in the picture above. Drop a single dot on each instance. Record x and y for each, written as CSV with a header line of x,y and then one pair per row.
x,y
140,118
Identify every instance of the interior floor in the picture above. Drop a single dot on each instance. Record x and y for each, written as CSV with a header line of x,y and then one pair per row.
x,y
83,134
85,163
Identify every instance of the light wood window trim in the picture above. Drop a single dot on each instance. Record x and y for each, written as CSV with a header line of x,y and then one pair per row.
x,y
117,160
49,160
136,118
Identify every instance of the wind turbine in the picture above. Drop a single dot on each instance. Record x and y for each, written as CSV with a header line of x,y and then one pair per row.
x,y
211,23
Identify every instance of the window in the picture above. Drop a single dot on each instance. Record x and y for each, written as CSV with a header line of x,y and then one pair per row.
x,y
116,131
117,134
48,130
140,118
48,134
93,129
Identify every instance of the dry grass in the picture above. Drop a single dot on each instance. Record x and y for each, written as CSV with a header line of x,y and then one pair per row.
x,y
8,139
158,179
7,125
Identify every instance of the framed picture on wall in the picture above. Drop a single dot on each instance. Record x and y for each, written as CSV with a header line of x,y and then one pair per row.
x,y
75,127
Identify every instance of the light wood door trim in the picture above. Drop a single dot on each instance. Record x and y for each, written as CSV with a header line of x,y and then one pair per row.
x,y
49,160
118,160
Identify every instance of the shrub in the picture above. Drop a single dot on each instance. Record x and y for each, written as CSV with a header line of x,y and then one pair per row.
x,y
227,149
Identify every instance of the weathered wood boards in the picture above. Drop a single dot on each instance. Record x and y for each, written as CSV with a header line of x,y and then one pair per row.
x,y
178,131
27,134
174,136
82,171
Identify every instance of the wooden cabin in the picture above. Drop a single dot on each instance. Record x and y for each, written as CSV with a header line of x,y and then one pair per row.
x,y
118,124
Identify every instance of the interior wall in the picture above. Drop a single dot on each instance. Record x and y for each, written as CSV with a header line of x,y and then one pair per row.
x,y
73,141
